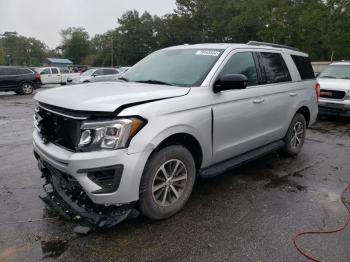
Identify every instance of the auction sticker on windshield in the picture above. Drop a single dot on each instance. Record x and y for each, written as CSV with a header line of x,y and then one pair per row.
x,y
208,52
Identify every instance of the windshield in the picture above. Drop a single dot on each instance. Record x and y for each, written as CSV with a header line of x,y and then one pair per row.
x,y
336,71
88,72
180,67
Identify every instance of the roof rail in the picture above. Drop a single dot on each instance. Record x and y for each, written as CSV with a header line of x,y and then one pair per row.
x,y
272,45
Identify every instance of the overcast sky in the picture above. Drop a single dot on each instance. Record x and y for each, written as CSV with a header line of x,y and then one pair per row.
x,y
44,19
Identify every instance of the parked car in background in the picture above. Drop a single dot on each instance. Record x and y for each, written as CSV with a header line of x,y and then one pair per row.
x,y
122,70
334,84
181,112
95,75
78,68
55,75
21,80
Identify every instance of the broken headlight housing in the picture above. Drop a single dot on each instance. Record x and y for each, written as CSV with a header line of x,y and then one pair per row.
x,y
110,135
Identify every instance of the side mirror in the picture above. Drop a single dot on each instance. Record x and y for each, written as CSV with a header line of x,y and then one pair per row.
x,y
230,82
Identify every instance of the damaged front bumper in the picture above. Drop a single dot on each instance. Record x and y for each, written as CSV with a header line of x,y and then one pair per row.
x,y
63,194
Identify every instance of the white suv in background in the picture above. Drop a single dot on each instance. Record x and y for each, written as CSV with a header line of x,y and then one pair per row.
x,y
105,149
334,84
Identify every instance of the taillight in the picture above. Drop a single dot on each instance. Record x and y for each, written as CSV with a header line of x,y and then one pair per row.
x,y
317,89
37,76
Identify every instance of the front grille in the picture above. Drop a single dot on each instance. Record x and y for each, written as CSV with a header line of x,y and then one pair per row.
x,y
333,94
57,128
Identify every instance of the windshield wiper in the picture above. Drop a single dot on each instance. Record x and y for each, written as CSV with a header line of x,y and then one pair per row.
x,y
327,77
346,77
124,79
157,82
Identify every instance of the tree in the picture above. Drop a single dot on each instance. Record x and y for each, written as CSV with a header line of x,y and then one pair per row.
x,y
76,44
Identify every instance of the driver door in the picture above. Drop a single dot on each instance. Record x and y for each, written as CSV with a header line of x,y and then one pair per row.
x,y
46,76
239,114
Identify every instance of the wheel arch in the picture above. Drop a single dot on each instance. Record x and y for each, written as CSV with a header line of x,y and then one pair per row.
x,y
305,111
186,140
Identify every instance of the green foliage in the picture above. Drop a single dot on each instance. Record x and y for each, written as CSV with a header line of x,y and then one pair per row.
x,y
2,57
20,50
76,44
318,27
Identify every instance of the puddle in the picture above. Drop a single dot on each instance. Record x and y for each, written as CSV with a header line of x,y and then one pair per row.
x,y
285,184
53,248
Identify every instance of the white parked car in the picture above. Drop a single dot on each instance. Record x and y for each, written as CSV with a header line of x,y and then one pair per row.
x,y
55,75
334,84
95,75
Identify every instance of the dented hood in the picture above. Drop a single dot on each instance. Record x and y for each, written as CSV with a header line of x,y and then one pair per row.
x,y
107,96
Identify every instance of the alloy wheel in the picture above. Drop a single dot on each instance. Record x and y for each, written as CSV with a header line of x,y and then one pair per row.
x,y
169,182
297,135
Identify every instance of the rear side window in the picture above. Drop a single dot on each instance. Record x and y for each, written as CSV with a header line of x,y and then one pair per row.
x,y
242,63
23,71
54,70
304,67
110,71
275,68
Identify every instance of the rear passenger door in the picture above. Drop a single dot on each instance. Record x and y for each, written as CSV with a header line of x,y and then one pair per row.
x,y
9,79
280,92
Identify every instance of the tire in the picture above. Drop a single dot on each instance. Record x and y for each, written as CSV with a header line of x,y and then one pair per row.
x,y
27,89
295,137
164,202
18,92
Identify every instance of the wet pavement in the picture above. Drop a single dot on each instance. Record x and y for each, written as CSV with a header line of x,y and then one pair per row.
x,y
248,214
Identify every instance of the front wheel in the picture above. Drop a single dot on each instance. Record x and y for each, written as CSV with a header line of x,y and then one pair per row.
x,y
167,182
27,89
295,137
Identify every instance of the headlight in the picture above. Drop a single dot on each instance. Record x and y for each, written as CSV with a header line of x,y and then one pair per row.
x,y
109,135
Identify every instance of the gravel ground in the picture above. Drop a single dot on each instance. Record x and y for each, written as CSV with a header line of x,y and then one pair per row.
x,y
247,214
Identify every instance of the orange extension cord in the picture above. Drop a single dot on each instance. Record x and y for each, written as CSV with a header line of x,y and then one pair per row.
x,y
309,256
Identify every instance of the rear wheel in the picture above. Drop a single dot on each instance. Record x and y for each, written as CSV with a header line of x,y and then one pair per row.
x,y
294,140
167,182
27,89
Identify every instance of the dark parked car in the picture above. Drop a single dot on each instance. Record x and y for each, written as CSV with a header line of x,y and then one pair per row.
x,y
21,80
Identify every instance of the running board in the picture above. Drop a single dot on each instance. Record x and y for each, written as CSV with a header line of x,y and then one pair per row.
x,y
226,165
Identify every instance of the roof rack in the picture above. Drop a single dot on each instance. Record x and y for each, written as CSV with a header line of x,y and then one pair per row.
x,y
272,45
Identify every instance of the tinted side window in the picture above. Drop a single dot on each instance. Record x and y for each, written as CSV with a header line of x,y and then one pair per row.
x,y
54,70
110,71
98,72
23,71
46,71
242,63
304,67
276,70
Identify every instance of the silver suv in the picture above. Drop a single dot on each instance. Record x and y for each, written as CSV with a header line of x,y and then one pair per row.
x,y
194,110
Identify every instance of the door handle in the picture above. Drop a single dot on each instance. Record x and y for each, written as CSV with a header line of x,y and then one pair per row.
x,y
258,101
293,94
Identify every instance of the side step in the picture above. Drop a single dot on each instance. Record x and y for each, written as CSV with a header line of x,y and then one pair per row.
x,y
226,165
